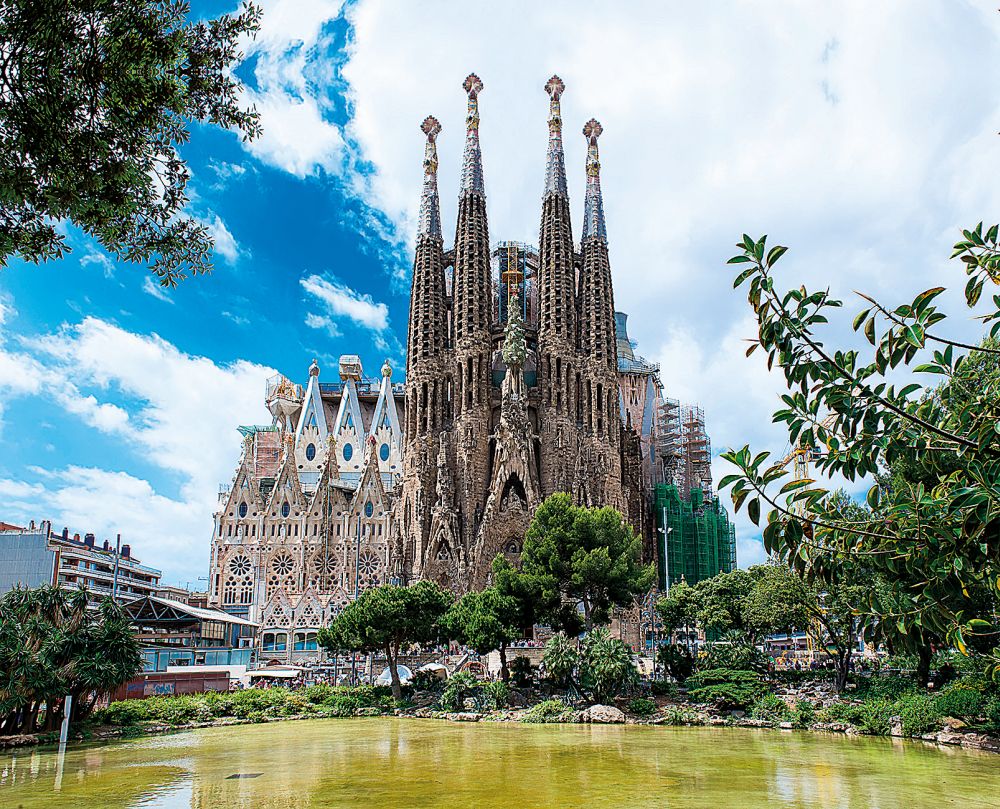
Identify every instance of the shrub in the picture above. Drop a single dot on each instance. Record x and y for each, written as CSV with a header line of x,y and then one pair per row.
x,y
124,713
919,714
677,715
521,672
560,659
496,694
726,688
549,711
606,666
641,707
677,660
734,651
888,687
960,701
991,712
874,716
728,696
663,688
803,714
178,710
770,708
459,688
318,693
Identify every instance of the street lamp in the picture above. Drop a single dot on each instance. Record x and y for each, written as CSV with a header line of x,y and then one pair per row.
x,y
666,556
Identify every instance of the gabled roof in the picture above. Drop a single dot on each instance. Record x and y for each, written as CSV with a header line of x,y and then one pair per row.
x,y
312,410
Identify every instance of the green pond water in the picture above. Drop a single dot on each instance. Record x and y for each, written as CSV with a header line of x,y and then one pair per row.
x,y
400,763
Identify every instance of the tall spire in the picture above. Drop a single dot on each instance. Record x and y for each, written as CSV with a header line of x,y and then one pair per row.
x,y
555,164
430,204
472,164
593,209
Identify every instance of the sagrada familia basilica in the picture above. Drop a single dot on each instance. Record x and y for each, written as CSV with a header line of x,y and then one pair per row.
x,y
514,390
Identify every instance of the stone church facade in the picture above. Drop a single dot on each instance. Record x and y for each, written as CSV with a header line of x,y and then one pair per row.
x,y
511,394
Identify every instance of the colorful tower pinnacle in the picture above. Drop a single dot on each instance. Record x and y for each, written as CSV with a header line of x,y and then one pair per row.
x,y
430,204
428,306
557,337
472,298
555,163
597,306
472,165
593,207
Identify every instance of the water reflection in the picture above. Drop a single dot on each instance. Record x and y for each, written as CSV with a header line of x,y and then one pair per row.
x,y
413,763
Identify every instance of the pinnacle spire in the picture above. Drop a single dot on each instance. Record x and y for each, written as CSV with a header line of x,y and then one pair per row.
x,y
593,209
429,223
472,164
555,163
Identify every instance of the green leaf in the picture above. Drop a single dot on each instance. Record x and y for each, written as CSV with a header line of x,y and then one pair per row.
x,y
860,318
739,260
753,511
775,253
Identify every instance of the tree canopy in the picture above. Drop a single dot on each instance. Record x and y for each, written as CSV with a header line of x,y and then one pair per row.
x,y
52,645
96,98
387,619
582,556
485,620
931,533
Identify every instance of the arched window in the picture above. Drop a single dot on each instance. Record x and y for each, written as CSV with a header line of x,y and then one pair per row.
x,y
285,509
310,452
243,509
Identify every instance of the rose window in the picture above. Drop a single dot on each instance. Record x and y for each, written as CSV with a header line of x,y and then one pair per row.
x,y
239,566
283,565
368,564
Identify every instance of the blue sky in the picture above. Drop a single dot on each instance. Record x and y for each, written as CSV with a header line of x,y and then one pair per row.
x,y
861,136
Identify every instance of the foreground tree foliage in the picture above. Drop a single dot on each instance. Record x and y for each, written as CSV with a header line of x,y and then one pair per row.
x,y
96,96
582,556
485,620
931,539
51,645
745,606
387,619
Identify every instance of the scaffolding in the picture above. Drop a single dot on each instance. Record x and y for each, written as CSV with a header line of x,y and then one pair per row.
x,y
696,540
514,269
696,449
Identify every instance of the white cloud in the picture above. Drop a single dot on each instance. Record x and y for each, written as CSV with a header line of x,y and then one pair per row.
x,y
7,310
225,243
150,287
177,412
342,301
291,92
239,320
99,259
323,323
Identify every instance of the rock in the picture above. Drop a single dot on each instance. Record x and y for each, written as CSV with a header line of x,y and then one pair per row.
x,y
949,737
603,715
737,714
896,726
786,725
953,724
463,716
717,720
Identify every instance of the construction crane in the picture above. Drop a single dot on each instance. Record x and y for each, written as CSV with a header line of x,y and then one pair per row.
x,y
803,457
